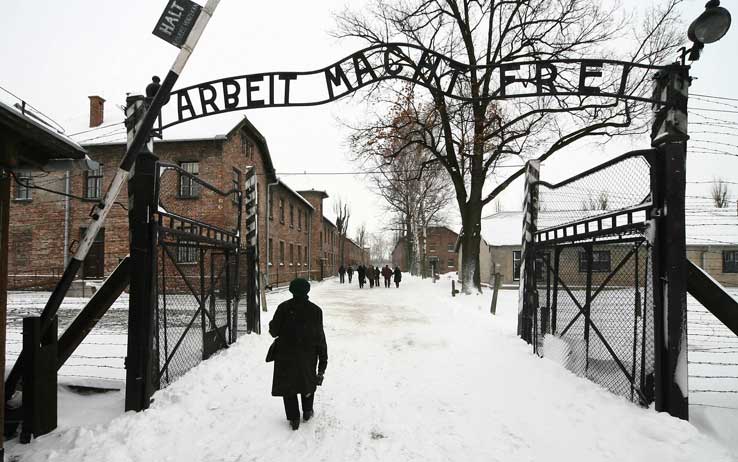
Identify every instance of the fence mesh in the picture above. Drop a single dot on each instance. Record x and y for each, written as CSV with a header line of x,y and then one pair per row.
x,y
624,184
595,300
198,271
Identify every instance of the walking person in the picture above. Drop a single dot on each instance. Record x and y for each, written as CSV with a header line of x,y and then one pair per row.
x,y
398,276
377,274
387,273
361,273
299,349
350,272
341,273
370,276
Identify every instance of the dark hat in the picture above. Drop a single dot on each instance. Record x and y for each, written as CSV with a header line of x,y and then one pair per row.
x,y
299,286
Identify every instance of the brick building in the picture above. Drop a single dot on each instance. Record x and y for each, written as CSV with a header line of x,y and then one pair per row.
x,y
294,236
440,250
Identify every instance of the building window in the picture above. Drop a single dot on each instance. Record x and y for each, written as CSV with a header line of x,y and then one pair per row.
x,y
93,183
431,247
247,146
271,204
516,265
451,247
600,261
23,186
305,256
450,263
22,244
321,240
186,250
292,216
281,210
730,261
281,252
236,184
299,254
299,220
187,186
292,254
270,249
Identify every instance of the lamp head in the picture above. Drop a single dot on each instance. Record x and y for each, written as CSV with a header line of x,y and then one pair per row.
x,y
711,25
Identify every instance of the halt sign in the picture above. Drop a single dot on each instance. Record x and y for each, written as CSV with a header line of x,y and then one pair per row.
x,y
176,21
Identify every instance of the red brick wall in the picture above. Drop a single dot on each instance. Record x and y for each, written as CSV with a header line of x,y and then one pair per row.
x,y
288,232
438,242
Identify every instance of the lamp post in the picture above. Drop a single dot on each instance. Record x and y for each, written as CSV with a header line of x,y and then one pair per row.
x,y
669,136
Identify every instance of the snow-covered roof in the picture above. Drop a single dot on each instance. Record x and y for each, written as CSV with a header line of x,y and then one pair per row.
x,y
706,226
503,228
48,139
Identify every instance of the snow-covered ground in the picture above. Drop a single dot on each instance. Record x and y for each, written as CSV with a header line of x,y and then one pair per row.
x,y
413,374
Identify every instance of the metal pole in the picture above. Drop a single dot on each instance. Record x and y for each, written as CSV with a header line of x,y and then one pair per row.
x,y
142,300
528,293
669,135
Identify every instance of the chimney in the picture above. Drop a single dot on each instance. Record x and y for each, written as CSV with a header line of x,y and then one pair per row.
x,y
97,111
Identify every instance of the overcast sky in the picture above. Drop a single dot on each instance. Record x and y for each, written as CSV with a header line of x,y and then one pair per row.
x,y
57,53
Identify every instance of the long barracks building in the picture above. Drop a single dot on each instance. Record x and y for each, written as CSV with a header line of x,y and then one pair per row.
x,y
295,238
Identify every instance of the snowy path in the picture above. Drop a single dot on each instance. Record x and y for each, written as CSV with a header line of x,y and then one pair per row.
x,y
419,376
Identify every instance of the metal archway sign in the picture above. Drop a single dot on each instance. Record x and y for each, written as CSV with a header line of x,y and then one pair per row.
x,y
402,61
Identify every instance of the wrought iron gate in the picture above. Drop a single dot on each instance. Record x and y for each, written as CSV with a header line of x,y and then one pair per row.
x,y
198,229
593,275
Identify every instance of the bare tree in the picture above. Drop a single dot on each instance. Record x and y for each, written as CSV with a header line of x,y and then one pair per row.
x,y
472,139
343,213
720,193
598,202
361,240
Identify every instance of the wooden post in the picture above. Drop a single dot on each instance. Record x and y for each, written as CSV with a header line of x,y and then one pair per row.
x,y
495,290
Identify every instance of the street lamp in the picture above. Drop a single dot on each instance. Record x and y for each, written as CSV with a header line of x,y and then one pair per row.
x,y
709,27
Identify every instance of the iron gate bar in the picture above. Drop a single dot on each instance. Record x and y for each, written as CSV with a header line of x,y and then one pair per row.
x,y
635,319
168,358
166,324
645,319
587,305
555,307
597,331
171,229
599,289
189,286
170,166
613,230
645,153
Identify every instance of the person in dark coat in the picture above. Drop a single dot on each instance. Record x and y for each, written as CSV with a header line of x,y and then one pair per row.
x,y
370,276
398,276
377,274
387,274
361,270
350,272
300,348
341,273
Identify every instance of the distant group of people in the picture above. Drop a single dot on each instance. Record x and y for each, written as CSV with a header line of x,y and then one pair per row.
x,y
371,273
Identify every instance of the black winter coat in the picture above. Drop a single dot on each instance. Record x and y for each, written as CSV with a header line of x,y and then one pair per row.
x,y
300,347
398,275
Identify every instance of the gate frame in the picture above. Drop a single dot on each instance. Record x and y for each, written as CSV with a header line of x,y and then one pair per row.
x,y
666,220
